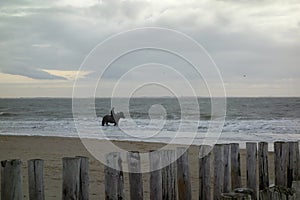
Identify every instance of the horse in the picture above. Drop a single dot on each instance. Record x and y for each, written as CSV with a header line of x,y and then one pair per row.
x,y
112,118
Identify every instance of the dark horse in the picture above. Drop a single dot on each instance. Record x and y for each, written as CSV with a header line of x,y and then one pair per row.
x,y
112,118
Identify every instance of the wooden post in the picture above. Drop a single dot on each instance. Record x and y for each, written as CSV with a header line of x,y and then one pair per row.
x,y
293,162
71,167
84,178
36,179
155,176
227,168
218,171
252,167
168,175
297,175
183,174
263,165
265,194
235,166
296,187
114,180
281,163
204,172
11,180
135,175
294,154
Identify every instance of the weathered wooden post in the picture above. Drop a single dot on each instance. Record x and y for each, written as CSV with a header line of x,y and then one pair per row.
x,y
281,163
205,172
183,174
251,163
227,168
84,178
36,179
71,167
218,171
293,162
235,166
114,180
297,175
135,175
168,175
11,180
281,170
264,191
155,176
263,165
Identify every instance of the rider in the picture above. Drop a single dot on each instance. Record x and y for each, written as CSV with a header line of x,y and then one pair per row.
x,y
112,113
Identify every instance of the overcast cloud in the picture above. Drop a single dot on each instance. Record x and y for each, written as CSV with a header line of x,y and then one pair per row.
x,y
256,44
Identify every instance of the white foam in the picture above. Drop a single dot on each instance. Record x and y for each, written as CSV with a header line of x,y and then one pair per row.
x,y
142,130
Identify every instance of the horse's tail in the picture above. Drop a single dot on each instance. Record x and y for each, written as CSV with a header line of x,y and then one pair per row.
x,y
103,121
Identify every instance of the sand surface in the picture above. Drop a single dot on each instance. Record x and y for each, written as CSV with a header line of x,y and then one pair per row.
x,y
53,149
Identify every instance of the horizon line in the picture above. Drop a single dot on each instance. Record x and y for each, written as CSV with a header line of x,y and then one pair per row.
x,y
107,97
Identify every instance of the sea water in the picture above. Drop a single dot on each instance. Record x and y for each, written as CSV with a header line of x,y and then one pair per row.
x,y
247,119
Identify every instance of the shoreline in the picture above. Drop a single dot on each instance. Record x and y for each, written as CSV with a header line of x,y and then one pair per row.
x,y
242,144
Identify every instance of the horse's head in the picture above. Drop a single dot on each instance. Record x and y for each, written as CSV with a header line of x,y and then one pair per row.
x,y
121,115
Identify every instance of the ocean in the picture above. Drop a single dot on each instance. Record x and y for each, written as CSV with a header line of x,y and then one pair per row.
x,y
247,119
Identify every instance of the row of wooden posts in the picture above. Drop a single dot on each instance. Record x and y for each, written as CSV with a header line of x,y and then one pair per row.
x,y
219,175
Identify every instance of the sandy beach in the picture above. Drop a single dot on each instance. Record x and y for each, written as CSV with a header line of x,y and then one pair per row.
x,y
53,149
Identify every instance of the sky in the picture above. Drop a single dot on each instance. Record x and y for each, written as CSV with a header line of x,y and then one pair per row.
x,y
255,45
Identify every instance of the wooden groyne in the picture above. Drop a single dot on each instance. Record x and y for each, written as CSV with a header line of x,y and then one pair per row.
x,y
219,175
